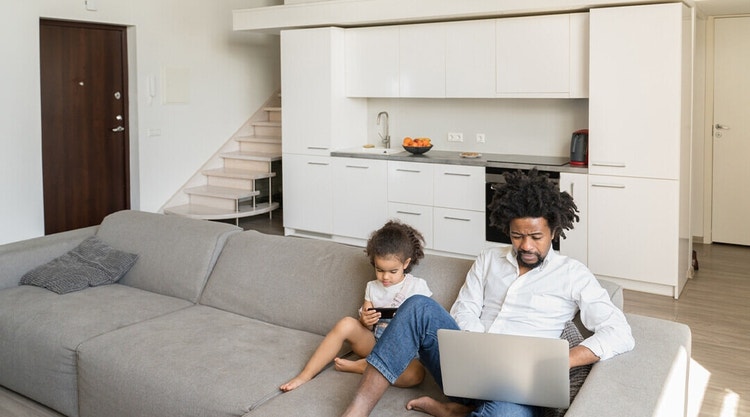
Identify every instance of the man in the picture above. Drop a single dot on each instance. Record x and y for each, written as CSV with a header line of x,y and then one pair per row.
x,y
526,289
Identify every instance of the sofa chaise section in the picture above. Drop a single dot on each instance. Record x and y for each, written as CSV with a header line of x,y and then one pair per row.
x,y
40,331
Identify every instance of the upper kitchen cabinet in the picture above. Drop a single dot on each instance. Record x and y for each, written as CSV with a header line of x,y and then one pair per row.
x,y
422,61
318,117
637,102
470,59
542,56
372,62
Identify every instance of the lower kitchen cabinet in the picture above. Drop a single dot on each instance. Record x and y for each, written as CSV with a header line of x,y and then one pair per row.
x,y
575,244
308,193
416,216
634,233
360,196
458,231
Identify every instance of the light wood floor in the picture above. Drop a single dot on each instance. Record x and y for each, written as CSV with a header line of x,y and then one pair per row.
x,y
716,306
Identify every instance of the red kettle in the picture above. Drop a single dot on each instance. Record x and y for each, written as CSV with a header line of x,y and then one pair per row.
x,y
579,148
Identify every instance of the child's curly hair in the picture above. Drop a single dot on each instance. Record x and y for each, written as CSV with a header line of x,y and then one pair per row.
x,y
532,195
396,239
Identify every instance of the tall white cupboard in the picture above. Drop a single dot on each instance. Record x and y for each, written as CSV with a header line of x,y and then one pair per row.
x,y
639,146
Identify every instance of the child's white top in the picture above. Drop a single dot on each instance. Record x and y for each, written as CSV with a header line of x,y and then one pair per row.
x,y
394,295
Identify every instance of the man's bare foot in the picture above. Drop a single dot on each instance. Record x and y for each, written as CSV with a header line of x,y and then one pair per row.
x,y
345,365
293,383
435,408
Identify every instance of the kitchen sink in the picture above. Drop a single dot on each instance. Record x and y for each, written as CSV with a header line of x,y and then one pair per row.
x,y
378,151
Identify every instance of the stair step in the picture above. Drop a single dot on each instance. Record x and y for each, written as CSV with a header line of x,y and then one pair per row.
x,y
276,140
266,123
240,174
210,213
253,156
221,192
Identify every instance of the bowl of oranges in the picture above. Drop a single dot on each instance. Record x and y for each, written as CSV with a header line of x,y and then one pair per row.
x,y
417,146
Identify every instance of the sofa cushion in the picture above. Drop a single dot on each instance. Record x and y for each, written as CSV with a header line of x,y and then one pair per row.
x,y
176,254
195,362
41,331
288,280
92,263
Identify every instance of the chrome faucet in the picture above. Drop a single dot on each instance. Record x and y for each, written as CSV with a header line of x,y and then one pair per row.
x,y
387,138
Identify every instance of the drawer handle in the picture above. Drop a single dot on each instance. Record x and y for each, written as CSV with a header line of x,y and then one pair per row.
x,y
608,164
608,185
411,213
458,174
408,170
456,218
318,163
317,148
358,166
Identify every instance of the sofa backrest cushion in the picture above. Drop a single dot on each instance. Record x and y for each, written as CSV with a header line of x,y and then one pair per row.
x,y
303,284
308,284
175,254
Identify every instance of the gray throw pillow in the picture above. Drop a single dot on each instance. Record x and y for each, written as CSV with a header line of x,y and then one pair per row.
x,y
91,263
578,374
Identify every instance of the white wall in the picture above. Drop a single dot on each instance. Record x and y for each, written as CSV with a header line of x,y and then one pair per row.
x,y
230,75
511,126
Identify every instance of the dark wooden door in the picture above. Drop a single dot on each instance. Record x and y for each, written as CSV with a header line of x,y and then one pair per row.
x,y
85,150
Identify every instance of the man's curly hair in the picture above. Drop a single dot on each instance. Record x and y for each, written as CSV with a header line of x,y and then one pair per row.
x,y
532,195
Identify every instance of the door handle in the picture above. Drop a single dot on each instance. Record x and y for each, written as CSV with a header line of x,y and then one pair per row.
x,y
118,129
719,126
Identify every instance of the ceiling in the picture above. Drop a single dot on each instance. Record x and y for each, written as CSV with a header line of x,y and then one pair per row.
x,y
723,7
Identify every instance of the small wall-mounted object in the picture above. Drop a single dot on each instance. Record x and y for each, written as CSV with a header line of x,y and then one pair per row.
x,y
90,5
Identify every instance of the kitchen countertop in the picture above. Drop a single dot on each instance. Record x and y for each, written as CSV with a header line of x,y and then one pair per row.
x,y
543,163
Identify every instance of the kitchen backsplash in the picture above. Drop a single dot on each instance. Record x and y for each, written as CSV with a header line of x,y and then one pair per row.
x,y
510,126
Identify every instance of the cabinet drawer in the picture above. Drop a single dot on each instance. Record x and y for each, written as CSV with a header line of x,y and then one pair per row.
x,y
360,196
458,231
418,217
410,183
307,179
459,187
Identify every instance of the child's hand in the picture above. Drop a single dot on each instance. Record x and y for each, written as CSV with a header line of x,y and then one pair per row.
x,y
369,317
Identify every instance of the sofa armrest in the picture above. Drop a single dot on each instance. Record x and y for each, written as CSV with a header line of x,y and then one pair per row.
x,y
650,380
17,258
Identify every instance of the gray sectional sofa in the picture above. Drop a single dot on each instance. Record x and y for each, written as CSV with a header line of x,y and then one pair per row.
x,y
211,320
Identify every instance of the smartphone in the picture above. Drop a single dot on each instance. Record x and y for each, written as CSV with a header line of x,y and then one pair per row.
x,y
385,312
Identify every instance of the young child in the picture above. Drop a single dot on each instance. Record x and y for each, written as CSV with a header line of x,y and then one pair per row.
x,y
393,250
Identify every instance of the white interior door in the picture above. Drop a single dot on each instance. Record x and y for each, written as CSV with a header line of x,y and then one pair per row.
x,y
731,138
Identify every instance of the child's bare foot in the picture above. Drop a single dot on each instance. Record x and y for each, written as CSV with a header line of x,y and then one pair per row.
x,y
293,383
345,365
435,408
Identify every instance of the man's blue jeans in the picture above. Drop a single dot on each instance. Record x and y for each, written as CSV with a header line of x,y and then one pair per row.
x,y
413,333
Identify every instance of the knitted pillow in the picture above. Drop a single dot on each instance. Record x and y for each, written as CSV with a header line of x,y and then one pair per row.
x,y
578,374
91,263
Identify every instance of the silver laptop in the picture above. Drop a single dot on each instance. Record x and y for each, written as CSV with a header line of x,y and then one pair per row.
x,y
496,367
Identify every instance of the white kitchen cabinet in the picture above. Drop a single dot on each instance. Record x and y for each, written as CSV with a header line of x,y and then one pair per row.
x,y
422,60
470,59
410,182
417,216
639,151
459,187
541,56
575,245
458,231
372,62
308,193
635,231
318,117
635,111
360,200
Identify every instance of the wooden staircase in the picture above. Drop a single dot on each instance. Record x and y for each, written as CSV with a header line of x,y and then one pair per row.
x,y
242,179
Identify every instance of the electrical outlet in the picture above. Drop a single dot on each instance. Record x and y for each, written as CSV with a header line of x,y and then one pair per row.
x,y
480,137
455,137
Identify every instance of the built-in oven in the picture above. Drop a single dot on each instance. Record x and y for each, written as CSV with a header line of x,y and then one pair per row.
x,y
495,177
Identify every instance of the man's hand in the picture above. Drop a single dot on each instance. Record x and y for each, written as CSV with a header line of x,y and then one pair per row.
x,y
581,355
